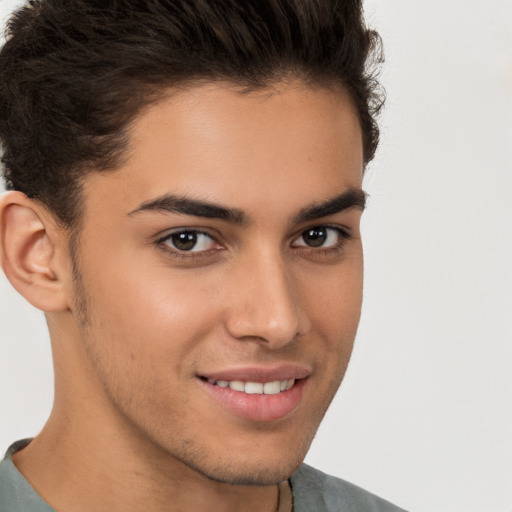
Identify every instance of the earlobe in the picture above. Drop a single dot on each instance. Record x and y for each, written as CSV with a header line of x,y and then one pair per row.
x,y
29,245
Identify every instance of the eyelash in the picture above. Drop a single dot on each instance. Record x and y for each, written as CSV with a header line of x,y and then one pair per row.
x,y
189,255
343,233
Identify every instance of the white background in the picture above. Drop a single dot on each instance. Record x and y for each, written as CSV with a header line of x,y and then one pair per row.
x,y
424,417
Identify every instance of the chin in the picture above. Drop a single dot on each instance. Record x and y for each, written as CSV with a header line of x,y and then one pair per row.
x,y
250,473
266,466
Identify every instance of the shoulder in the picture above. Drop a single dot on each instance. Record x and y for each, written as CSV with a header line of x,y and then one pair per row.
x,y
314,491
16,494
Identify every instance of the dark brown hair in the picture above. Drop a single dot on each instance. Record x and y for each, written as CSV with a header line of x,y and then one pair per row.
x,y
75,73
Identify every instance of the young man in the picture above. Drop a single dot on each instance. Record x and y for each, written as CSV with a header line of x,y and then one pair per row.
x,y
184,201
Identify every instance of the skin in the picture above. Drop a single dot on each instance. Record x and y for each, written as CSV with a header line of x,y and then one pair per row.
x,y
135,322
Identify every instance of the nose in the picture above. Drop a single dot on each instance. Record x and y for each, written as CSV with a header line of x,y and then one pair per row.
x,y
265,305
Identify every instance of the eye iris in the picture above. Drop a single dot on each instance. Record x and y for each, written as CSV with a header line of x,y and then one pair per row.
x,y
184,241
315,237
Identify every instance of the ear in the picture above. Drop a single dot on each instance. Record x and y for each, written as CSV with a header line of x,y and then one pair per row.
x,y
31,252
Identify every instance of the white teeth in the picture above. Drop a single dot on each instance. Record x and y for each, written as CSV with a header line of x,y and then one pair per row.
x,y
255,388
237,385
272,388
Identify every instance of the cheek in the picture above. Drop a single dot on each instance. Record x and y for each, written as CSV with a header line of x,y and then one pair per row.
x,y
142,334
149,316
334,300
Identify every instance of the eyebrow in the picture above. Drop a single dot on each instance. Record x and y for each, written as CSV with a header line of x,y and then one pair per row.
x,y
187,206
351,198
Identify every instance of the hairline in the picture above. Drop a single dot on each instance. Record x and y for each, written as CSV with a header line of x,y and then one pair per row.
x,y
159,94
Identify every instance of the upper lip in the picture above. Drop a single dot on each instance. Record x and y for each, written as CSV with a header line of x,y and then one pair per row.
x,y
259,373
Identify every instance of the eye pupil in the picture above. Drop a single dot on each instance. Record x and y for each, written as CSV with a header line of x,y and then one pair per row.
x,y
315,237
184,241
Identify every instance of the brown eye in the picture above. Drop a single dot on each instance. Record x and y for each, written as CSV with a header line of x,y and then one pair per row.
x,y
320,236
185,241
189,241
315,237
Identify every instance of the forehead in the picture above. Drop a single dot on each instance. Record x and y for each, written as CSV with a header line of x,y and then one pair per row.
x,y
244,149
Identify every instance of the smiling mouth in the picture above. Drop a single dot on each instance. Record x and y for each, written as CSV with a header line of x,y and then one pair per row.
x,y
255,388
256,394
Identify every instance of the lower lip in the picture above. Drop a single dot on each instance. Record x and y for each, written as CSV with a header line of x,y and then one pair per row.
x,y
258,407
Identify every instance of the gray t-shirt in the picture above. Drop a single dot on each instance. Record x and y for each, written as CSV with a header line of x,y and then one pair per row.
x,y
313,491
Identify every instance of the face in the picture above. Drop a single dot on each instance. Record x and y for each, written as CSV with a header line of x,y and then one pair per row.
x,y
221,276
